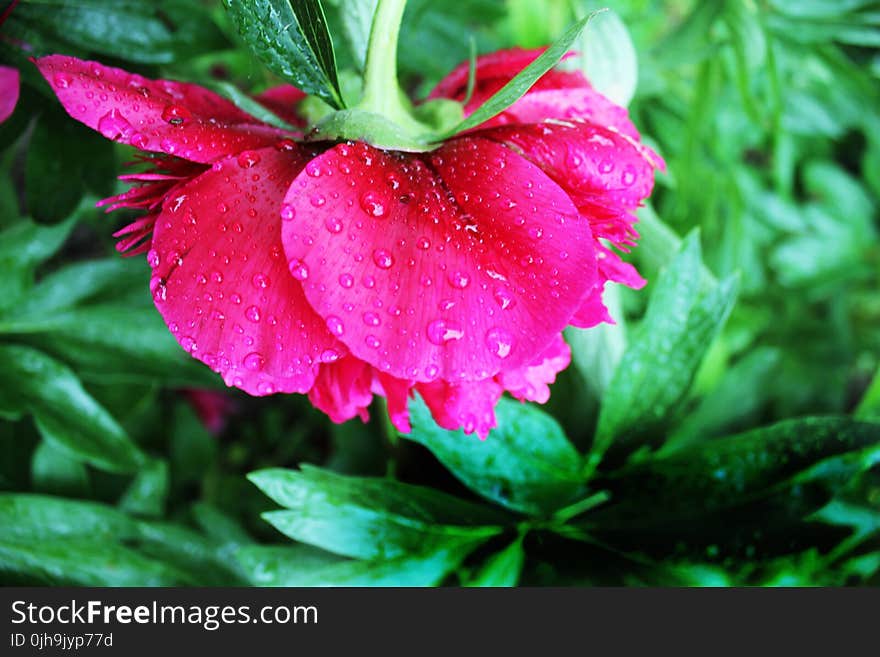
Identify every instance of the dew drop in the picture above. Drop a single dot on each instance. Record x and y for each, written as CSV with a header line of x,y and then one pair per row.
x,y
248,159
329,356
254,361
288,212
298,269
441,331
371,319
504,298
383,259
176,115
346,280
252,314
260,281
499,342
459,280
317,200
372,204
62,80
333,224
153,258
335,325
372,342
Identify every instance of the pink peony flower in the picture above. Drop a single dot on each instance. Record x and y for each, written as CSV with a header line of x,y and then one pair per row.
x,y
344,271
8,91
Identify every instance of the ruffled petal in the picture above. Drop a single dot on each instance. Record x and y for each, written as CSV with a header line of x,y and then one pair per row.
x,y
220,279
397,392
532,382
451,265
468,406
343,389
283,101
9,81
162,116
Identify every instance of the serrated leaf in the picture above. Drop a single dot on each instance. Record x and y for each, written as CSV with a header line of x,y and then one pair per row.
x,y
526,464
64,412
522,81
155,32
369,518
292,41
665,352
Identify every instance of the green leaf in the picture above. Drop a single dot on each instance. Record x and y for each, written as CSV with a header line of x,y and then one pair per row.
x,y
54,471
246,103
64,412
56,173
502,568
869,407
82,562
23,246
526,464
28,517
803,460
292,41
370,518
522,81
155,32
147,493
608,58
299,566
665,353
357,20
108,343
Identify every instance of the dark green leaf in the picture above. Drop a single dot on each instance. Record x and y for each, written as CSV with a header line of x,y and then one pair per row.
x,y
502,568
663,356
292,41
299,566
820,455
525,464
64,412
369,518
155,32
26,517
23,246
57,472
148,492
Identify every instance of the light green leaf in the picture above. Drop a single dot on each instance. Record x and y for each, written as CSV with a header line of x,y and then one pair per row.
x,y
502,568
608,58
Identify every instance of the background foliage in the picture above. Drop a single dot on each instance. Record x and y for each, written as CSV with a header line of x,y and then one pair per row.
x,y
725,431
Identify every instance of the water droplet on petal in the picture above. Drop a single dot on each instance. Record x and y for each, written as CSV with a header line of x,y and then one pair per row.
x,y
62,80
372,342
459,280
335,325
499,341
333,224
176,115
288,212
431,372
153,258
329,356
441,331
383,259
628,177
504,298
254,361
346,280
253,314
371,319
298,269
318,200
248,159
372,204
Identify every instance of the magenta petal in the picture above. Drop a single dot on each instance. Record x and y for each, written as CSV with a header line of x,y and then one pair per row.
x,y
468,406
162,116
451,265
8,91
343,389
221,282
397,392
531,383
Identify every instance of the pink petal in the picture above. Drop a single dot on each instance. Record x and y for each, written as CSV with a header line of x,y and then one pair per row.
x,y
343,389
8,91
470,406
451,265
397,392
283,101
592,310
221,282
177,118
531,383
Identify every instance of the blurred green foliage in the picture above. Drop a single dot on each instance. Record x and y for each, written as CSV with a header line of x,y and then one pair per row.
x,y
724,432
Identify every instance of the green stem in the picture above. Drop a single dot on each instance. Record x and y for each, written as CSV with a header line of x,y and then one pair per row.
x,y
381,90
